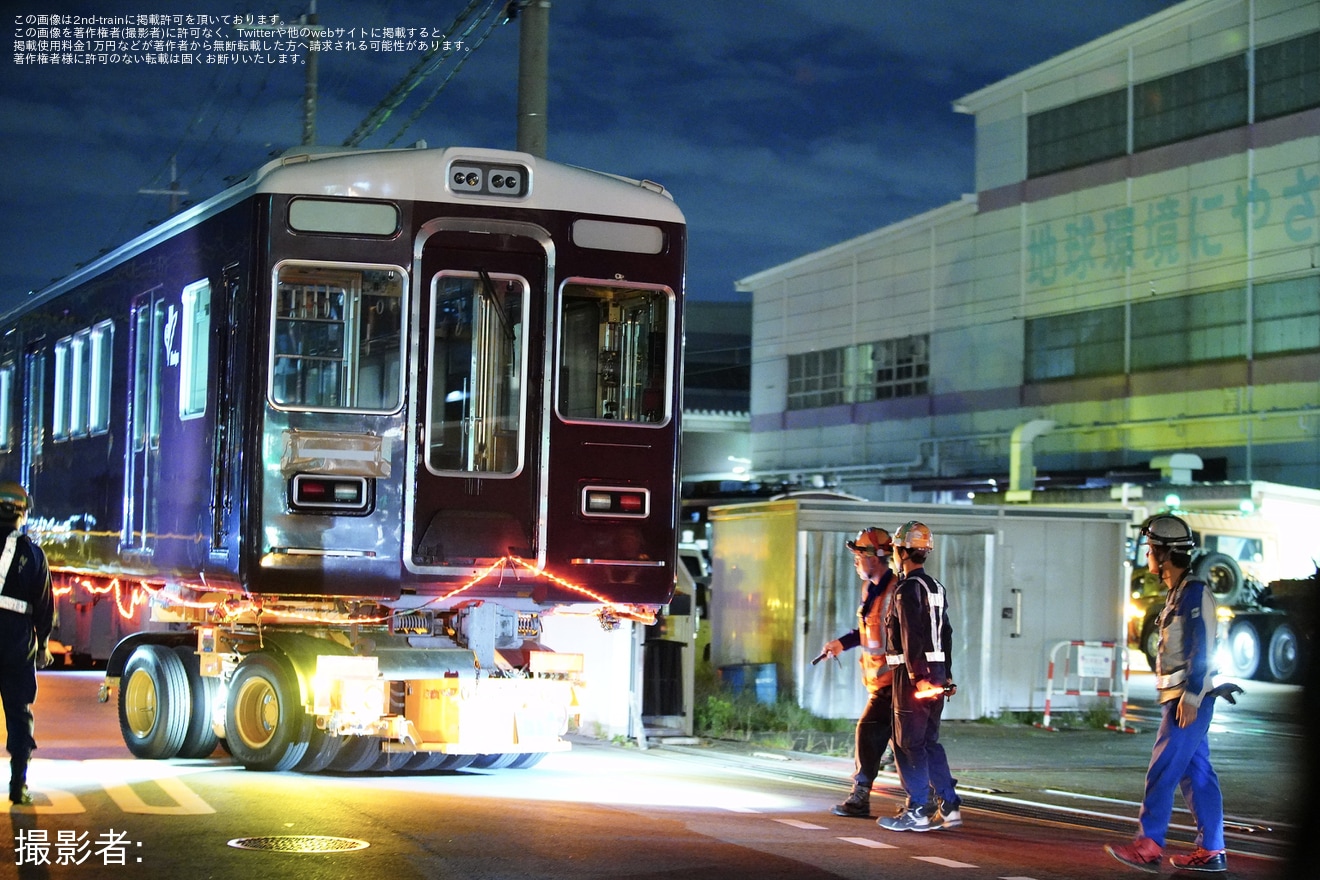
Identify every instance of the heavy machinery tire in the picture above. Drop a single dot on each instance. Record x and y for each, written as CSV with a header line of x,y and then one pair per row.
x,y
154,703
265,724
1285,654
1244,649
200,740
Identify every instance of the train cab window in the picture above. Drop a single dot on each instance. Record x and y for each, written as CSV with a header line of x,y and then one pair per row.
x,y
335,337
475,402
614,346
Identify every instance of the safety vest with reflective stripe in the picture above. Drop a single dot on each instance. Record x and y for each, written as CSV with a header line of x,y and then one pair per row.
x,y
871,615
929,632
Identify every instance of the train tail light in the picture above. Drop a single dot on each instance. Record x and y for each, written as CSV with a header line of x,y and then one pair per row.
x,y
316,492
616,501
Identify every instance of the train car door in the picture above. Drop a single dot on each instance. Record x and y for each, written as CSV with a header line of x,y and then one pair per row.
x,y
146,358
477,397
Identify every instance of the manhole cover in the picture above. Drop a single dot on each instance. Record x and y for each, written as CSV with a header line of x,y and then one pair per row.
x,y
299,843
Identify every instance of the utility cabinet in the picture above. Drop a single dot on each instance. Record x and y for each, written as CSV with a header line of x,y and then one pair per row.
x,y
1020,580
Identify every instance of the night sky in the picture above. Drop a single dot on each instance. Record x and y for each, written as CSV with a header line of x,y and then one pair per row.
x,y
781,126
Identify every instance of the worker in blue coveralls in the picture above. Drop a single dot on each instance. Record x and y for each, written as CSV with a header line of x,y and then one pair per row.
x,y
1184,682
27,613
871,550
918,642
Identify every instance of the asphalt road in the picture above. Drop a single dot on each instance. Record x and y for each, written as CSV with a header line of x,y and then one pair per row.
x,y
707,811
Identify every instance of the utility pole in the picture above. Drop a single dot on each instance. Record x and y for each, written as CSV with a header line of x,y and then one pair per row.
x,y
173,192
309,88
533,75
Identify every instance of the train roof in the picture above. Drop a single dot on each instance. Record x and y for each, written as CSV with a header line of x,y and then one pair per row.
x,y
416,174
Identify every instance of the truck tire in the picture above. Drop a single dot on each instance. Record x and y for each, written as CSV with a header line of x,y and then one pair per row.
x,y
154,703
200,740
1285,653
1244,649
496,761
1150,636
265,724
1222,575
530,759
358,753
322,749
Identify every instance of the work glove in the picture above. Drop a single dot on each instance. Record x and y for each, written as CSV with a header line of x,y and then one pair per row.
x,y
1227,691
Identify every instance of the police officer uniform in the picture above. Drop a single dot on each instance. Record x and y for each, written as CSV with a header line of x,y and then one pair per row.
x,y
27,613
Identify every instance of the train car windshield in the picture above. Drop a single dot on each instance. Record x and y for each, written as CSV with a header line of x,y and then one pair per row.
x,y
614,353
335,337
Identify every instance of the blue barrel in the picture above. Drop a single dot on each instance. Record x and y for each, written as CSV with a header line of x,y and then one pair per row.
x,y
762,679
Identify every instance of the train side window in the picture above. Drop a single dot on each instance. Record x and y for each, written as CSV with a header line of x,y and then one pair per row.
x,y
477,362
72,402
335,337
102,358
195,349
36,401
614,346
6,407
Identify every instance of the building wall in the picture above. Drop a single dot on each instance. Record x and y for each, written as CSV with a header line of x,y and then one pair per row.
x,y
1206,229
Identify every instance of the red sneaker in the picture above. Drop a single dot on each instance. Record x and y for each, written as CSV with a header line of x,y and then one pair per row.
x,y
1201,860
1142,853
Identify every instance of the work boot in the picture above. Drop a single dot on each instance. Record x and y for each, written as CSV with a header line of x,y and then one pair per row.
x,y
18,793
1142,854
857,805
1213,860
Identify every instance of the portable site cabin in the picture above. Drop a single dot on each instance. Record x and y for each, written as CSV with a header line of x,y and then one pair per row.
x,y
1021,581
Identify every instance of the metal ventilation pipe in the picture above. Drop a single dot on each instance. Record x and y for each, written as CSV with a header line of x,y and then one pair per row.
x,y
1021,468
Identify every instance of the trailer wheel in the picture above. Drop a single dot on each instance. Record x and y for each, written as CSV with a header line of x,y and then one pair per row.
x,y
423,761
1222,574
457,762
1285,653
265,723
530,759
497,761
200,740
154,701
1150,637
1244,649
322,749
357,754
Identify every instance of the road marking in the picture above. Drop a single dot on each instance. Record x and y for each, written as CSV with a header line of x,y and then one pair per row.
x,y
60,802
868,842
947,863
798,823
187,803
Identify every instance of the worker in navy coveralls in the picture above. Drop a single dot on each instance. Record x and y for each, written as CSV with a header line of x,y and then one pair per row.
x,y
919,638
871,551
1183,679
27,613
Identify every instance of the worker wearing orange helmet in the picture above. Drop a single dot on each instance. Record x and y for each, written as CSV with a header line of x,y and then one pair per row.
x,y
918,640
27,614
871,550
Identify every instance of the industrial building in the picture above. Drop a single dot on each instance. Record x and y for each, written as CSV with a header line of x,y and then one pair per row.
x,y
1135,279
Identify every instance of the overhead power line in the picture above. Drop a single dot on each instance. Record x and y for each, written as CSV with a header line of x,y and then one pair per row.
x,y
430,62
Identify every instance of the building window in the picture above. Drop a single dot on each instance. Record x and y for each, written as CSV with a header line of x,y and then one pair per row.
x,y
899,368
815,379
195,349
1188,329
1189,103
1077,134
1075,345
1286,316
858,373
1288,76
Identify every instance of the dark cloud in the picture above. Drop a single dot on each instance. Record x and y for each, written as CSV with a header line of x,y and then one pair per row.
x,y
781,127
